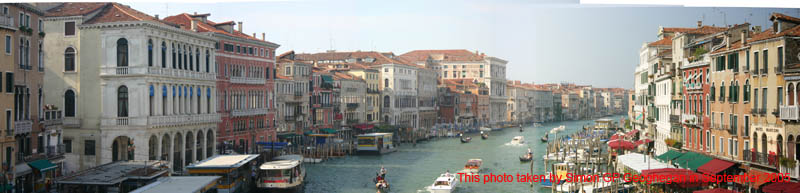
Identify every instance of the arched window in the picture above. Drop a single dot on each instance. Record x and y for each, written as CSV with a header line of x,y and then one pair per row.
x,y
174,64
722,92
197,59
180,57
185,57
191,59
149,52
208,60
163,54
386,83
69,60
122,101
69,104
712,92
122,52
386,101
790,94
746,94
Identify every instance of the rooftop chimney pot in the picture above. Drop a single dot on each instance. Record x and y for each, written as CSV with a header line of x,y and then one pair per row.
x,y
699,23
263,36
240,27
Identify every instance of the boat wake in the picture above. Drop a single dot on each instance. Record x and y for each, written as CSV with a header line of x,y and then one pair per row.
x,y
515,144
425,189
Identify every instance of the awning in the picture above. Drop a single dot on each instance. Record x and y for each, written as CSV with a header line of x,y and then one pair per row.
x,y
364,126
328,130
43,165
669,156
782,187
639,162
326,78
22,169
621,144
763,178
717,190
670,174
616,136
691,160
715,166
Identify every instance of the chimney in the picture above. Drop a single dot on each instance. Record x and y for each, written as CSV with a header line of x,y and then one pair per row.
x,y
699,23
757,29
744,37
156,16
194,25
728,41
254,34
263,36
240,26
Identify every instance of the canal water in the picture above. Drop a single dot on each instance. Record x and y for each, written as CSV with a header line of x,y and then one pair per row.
x,y
413,169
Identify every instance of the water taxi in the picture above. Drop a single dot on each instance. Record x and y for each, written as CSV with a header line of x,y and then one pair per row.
x,y
286,172
518,140
379,143
473,166
445,183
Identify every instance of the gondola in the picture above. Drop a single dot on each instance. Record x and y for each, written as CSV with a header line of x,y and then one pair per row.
x,y
484,136
525,158
545,138
382,185
466,139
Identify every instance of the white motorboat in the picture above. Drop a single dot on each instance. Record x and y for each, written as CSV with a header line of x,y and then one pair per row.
x,y
473,166
561,128
518,140
486,129
287,172
445,183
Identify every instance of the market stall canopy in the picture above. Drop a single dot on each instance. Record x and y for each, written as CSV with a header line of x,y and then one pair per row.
x,y
43,165
669,155
632,133
716,190
364,126
691,160
328,130
616,136
677,177
621,144
639,162
715,166
782,187
643,141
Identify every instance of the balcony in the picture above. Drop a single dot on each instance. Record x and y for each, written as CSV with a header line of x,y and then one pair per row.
x,y
245,80
297,117
52,118
732,130
760,158
158,71
352,105
71,122
55,151
7,22
248,112
789,113
674,118
22,126
169,120
793,172
689,119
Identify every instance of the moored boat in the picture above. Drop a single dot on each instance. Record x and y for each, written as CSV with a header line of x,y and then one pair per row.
x,y
473,165
445,183
466,139
287,172
484,135
518,140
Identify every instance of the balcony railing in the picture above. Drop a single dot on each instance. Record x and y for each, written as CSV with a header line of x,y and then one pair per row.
x,y
161,120
71,122
674,118
760,158
793,172
52,118
22,126
732,130
245,80
7,22
689,119
55,151
144,70
248,112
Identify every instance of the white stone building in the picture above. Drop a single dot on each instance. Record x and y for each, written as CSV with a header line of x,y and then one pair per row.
x,y
132,86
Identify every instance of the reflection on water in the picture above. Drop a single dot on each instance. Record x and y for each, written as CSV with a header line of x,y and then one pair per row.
x,y
413,169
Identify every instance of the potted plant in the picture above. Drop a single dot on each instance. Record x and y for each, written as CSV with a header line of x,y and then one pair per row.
x,y
787,162
41,34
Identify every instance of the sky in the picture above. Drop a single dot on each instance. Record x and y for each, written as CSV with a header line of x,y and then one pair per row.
x,y
545,41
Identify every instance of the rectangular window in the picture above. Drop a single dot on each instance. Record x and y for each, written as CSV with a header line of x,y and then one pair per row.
x,y
766,60
68,145
755,61
69,28
8,44
780,58
747,60
9,82
780,96
764,97
41,25
88,147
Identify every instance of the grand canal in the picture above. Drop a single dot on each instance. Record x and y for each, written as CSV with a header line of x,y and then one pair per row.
x,y
413,169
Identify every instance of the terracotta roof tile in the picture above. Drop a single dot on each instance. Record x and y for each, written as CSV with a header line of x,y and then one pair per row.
x,y
377,57
445,55
735,45
678,29
769,34
781,16
707,30
666,41
185,20
74,9
116,12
